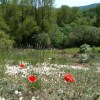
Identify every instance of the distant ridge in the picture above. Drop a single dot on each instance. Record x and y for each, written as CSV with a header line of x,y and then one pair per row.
x,y
89,6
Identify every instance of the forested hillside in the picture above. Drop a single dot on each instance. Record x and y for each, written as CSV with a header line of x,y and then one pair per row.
x,y
37,23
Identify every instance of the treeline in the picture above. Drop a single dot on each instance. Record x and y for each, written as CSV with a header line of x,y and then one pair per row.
x,y
37,23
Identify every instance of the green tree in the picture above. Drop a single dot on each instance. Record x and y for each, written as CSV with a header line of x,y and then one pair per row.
x,y
85,34
63,15
97,23
43,40
5,41
3,25
26,30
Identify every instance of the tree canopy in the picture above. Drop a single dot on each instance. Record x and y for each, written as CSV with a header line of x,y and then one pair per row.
x,y
39,24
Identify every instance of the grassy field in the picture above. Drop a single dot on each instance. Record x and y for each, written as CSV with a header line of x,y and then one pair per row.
x,y
50,67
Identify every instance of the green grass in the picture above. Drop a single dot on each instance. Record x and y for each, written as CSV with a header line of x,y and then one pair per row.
x,y
34,56
72,50
97,48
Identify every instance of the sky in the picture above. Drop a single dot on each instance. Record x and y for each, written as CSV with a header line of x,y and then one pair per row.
x,y
72,3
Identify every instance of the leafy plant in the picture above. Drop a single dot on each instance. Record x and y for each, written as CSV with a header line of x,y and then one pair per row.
x,y
35,86
93,49
5,41
84,58
85,48
34,83
44,40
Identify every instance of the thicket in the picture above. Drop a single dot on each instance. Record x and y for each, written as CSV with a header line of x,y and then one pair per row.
x,y
39,24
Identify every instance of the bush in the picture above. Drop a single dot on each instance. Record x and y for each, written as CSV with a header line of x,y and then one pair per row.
x,y
44,40
84,58
5,41
85,48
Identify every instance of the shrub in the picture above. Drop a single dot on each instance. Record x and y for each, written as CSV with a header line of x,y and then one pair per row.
x,y
5,41
85,48
84,58
93,49
44,40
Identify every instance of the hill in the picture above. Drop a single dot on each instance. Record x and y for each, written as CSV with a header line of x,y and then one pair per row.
x,y
89,6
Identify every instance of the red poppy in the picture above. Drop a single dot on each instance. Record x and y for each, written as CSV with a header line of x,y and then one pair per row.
x,y
32,78
69,78
22,65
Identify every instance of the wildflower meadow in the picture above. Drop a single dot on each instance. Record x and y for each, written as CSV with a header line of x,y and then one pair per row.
x,y
49,50
30,74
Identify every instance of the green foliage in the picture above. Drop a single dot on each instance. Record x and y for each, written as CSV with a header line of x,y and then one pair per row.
x,y
63,12
5,41
24,32
84,58
3,25
85,48
58,39
97,13
28,26
85,34
93,52
44,40
67,15
93,49
34,86
65,26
